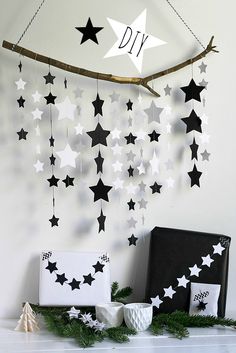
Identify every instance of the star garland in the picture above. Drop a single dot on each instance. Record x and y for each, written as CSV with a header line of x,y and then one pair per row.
x,y
20,86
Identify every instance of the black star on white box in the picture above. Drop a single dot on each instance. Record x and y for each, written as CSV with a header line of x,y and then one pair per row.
x,y
72,278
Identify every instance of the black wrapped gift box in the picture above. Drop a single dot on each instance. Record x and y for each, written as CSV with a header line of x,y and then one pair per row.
x,y
172,252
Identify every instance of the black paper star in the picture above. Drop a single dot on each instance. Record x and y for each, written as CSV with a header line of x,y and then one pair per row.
x,y
61,278
22,134
21,102
129,105
130,138
88,279
54,221
98,267
194,147
100,191
156,188
99,162
53,181
195,176
131,204
201,306
89,32
154,136
193,122
101,221
20,66
74,284
51,266
49,78
50,98
98,135
68,181
98,103
52,159
192,91
131,171
132,240
51,141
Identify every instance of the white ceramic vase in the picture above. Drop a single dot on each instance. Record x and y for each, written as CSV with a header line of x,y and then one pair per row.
x,y
138,316
110,314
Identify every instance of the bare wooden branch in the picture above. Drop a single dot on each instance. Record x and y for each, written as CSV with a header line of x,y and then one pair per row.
x,y
109,77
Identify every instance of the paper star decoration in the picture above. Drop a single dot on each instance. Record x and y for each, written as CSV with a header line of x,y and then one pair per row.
x,y
207,260
37,114
51,141
114,97
36,96
73,313
154,136
130,138
98,135
218,249
118,183
194,148
68,181
132,240
38,166
142,186
193,122
195,176
101,221
131,171
116,149
167,90
132,40
201,306
52,159
129,105
20,84
53,181
50,99
54,221
156,301
99,162
89,32
130,156
142,204
98,103
66,109
202,67
182,281
131,204
74,284
169,292
205,156
68,157
131,223
194,271
21,102
79,129
155,162
20,66
51,267
22,134
115,134
153,113
100,191
192,91
131,188
141,169
203,83
49,78
61,278
88,279
156,188
98,267
117,166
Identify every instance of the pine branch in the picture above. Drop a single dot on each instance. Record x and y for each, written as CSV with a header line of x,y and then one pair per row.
x,y
119,295
120,334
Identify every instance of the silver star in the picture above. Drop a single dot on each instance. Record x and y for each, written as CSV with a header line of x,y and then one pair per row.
x,y
142,203
78,92
167,90
203,83
142,186
73,313
169,165
205,156
202,67
114,97
132,223
153,113
130,156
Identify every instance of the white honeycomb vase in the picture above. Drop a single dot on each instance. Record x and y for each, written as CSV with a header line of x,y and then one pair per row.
x,y
111,314
138,316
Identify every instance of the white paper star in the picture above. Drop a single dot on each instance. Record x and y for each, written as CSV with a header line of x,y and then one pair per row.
x,y
117,166
156,301
114,97
141,135
131,188
116,149
20,84
36,96
194,271
204,119
182,281
141,169
118,183
37,114
218,249
68,157
132,223
38,166
73,313
79,129
37,130
115,134
204,137
207,260
170,183
169,292
155,164
66,109
132,40
168,128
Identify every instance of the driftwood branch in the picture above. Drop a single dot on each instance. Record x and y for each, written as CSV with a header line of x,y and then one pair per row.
x,y
109,77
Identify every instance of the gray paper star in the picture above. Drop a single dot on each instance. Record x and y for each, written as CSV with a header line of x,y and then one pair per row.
x,y
142,203
205,156
130,121
202,67
153,113
203,83
132,223
169,165
130,156
78,92
167,90
114,97
142,186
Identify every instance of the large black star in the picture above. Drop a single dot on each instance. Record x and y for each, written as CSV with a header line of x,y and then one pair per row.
x,y
89,32
131,171
129,105
131,204
74,284
68,181
98,267
130,138
194,147
21,102
54,221
193,122
154,136
98,103
51,141
88,279
201,306
195,176
101,221
132,240
98,135
50,98
22,134
51,266
156,188
192,91
49,78
53,181
100,191
99,162
52,159
61,279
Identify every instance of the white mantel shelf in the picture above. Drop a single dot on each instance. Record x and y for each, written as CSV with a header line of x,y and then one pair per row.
x,y
217,340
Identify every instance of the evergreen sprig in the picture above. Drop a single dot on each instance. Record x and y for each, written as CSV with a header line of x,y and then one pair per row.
x,y
119,295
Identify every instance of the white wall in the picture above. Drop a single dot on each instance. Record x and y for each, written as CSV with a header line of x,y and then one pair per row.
x,y
25,196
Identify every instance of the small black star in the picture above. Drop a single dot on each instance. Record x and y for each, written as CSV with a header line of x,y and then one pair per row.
x,y
201,306
154,136
20,66
52,159
54,221
131,204
61,278
65,83
88,279
129,105
21,102
99,161
101,221
51,266
98,135
98,103
98,267
89,32
131,171
22,134
195,176
156,188
130,138
194,147
192,91
100,191
74,284
51,141
193,122
53,181
50,98
49,78
132,240
68,181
